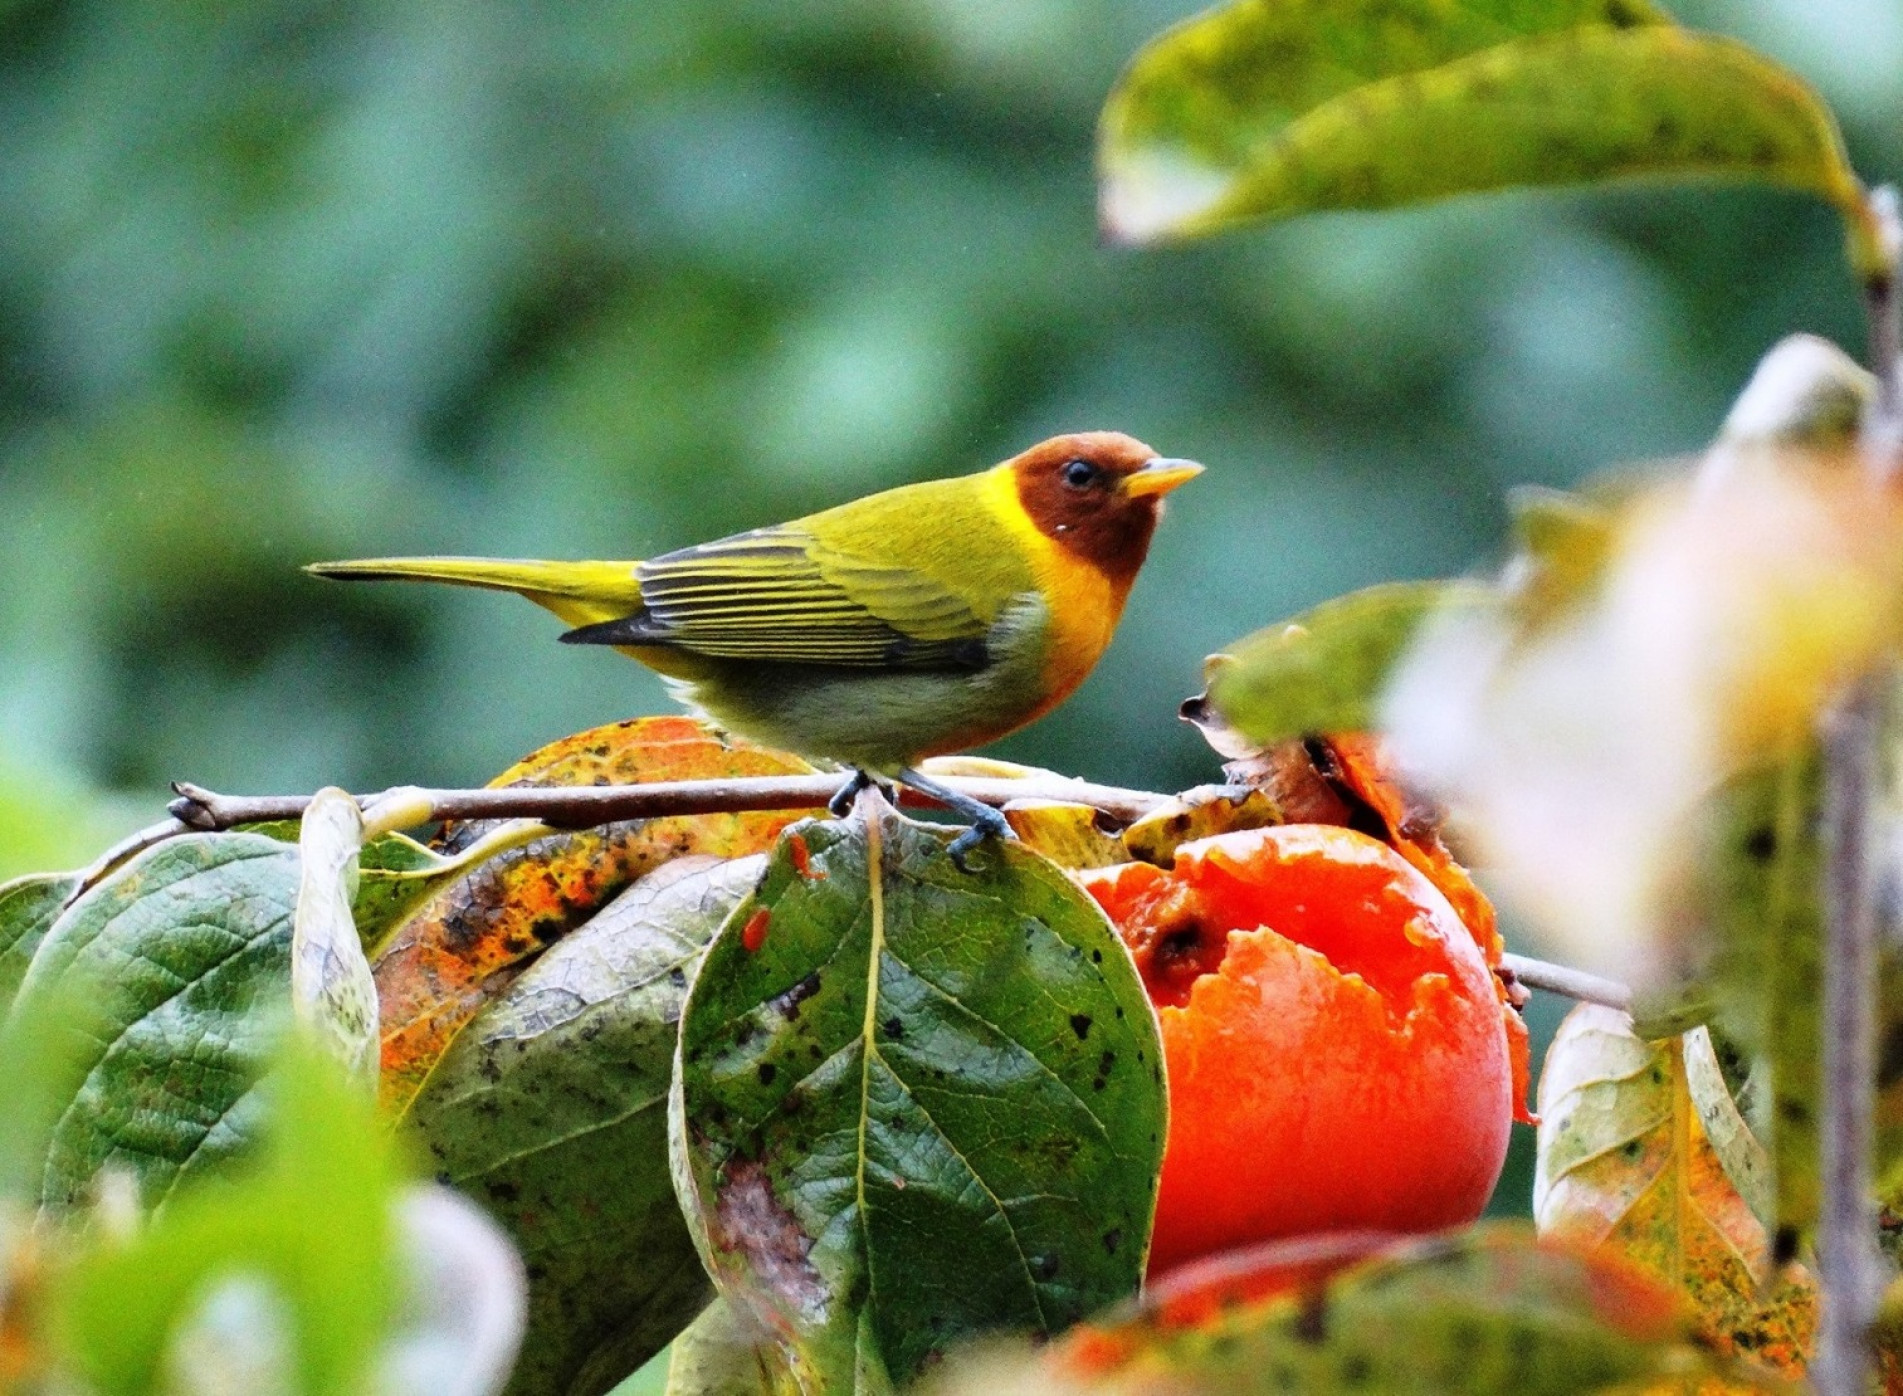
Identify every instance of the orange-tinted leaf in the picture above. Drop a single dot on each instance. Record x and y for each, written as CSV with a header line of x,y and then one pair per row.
x,y
471,941
1491,1310
1630,1161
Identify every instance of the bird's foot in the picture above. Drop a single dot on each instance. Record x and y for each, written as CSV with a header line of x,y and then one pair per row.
x,y
841,802
986,822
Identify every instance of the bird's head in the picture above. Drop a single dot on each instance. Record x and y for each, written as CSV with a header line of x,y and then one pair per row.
x,y
1098,494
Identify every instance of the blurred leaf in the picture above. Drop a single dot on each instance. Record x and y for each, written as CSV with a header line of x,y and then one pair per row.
x,y
332,991
1071,836
1197,814
311,1219
28,907
1324,671
1727,613
1627,1161
724,1353
551,1109
47,1058
1490,1310
187,948
1257,110
915,1104
464,1307
470,943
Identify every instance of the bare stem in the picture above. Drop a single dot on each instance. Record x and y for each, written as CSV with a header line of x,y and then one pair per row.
x,y
1848,1267
1572,983
580,807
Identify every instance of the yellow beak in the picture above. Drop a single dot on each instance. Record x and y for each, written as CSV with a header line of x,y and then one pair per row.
x,y
1160,476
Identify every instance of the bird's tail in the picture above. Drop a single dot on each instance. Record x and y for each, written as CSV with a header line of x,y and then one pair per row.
x,y
581,593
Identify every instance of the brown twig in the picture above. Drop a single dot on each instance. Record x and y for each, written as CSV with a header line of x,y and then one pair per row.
x,y
580,807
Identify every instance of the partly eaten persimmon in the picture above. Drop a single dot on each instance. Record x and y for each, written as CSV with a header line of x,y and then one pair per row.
x,y
1337,1053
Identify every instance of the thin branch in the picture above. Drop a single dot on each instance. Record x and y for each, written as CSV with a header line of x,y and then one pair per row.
x,y
1848,1267
581,807
1572,983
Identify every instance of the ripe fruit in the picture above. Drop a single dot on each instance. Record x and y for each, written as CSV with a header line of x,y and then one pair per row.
x,y
1337,1053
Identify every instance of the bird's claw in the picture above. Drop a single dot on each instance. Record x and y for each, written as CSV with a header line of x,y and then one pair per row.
x,y
841,802
995,826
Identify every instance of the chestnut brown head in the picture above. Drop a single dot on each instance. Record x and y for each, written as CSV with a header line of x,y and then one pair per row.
x,y
1099,495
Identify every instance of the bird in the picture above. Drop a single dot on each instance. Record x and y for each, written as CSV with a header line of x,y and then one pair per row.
x,y
914,622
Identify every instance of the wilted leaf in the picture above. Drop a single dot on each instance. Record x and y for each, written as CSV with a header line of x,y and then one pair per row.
x,y
1626,1161
551,1109
1071,836
332,991
468,944
1261,110
28,906
916,1104
726,1353
1489,1311
187,950
311,1219
1324,671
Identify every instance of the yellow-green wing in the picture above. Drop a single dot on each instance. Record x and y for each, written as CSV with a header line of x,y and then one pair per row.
x,y
779,594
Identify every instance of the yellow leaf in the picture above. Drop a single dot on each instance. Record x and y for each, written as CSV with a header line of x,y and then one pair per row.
x,y
1629,1159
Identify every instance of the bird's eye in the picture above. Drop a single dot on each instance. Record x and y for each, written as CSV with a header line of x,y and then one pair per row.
x,y
1080,473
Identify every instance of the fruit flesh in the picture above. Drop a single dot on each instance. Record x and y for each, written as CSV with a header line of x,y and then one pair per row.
x,y
1333,1038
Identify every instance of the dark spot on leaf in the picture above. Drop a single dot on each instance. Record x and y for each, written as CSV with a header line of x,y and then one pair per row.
x,y
1112,1239
767,1072
787,1005
1760,845
894,1029
1105,1062
677,977
546,929
1080,1024
1784,1245
1044,1267
505,1193
1096,957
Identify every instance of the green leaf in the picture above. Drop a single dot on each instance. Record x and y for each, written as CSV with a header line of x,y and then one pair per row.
x,y
332,990
1324,670
551,1109
915,1104
725,1353
28,907
1265,110
312,1219
188,947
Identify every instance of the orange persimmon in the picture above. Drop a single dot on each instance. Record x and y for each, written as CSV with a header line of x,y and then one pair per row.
x,y
1336,1049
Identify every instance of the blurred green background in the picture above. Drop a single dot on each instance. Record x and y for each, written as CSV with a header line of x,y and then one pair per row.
x,y
289,281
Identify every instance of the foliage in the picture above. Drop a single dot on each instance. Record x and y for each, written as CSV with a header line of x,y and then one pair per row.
x,y
831,1108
